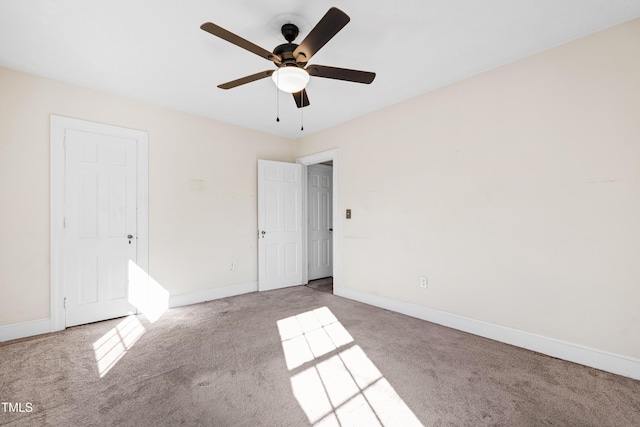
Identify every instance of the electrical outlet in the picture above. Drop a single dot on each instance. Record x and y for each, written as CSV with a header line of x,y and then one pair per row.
x,y
234,265
423,282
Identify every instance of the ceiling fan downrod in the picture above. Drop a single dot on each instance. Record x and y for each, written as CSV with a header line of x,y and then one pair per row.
x,y
289,32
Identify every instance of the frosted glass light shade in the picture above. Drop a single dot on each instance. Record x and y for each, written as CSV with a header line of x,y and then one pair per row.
x,y
290,79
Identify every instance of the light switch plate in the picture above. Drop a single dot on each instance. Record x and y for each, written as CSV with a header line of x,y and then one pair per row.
x,y
348,213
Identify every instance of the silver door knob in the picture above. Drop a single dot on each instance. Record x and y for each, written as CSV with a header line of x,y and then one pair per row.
x,y
130,236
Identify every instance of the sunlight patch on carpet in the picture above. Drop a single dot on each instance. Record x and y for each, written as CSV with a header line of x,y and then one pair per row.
x,y
113,345
334,381
310,335
146,294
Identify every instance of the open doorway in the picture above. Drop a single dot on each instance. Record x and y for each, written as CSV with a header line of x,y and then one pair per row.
x,y
322,285
321,225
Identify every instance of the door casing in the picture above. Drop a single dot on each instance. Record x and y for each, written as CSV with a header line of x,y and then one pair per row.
x,y
58,127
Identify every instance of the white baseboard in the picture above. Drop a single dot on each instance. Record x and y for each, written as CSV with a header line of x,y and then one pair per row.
x,y
610,362
24,329
211,294
43,326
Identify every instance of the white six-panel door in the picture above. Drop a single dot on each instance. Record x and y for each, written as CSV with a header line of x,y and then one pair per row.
x,y
279,224
100,225
320,214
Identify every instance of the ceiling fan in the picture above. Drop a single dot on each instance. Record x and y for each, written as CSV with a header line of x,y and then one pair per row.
x,y
292,73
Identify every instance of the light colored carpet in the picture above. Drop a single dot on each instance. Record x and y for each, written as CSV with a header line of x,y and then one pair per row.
x,y
298,357
322,285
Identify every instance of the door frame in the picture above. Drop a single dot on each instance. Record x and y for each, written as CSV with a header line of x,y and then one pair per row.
x,y
318,167
58,127
325,156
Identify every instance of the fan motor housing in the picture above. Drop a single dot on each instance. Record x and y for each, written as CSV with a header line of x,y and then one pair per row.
x,y
285,51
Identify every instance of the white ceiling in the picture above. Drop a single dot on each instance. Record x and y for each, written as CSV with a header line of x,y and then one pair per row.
x,y
154,50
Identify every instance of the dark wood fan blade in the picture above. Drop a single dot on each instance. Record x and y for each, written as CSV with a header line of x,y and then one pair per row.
x,y
301,98
332,22
247,79
239,41
341,74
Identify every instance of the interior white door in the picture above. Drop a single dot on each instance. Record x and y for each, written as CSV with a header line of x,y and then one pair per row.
x,y
279,224
319,196
100,225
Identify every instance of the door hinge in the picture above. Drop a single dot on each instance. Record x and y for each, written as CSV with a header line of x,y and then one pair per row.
x,y
64,222
64,302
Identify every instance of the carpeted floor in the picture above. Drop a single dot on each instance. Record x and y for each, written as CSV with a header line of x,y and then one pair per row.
x,y
322,285
297,357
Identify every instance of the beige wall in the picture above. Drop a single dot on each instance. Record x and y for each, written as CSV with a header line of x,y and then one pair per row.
x,y
517,192
194,235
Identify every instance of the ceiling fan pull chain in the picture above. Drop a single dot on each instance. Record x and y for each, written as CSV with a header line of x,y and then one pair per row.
x,y
302,115
278,100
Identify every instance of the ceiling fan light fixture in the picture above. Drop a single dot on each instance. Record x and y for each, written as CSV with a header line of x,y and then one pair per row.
x,y
290,79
